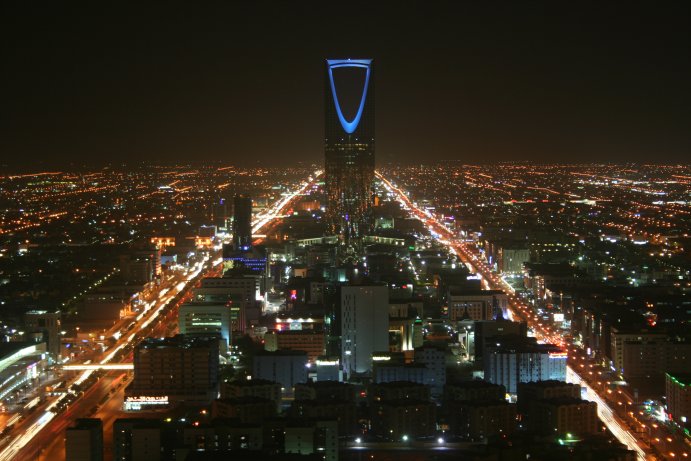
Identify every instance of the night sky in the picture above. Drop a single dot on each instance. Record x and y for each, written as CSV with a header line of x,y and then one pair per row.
x,y
243,83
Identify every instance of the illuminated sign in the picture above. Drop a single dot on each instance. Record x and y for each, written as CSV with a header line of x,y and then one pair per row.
x,y
558,317
381,358
148,399
139,402
557,355
349,126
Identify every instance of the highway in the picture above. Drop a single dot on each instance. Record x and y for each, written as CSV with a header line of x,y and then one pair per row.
x,y
29,439
518,309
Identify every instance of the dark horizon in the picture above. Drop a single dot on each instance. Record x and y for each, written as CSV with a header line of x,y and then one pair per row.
x,y
243,84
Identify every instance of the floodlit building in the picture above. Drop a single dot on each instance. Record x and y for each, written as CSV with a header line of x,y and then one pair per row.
x,y
364,326
510,364
349,145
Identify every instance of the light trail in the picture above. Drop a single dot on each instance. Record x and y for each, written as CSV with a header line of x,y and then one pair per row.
x,y
101,366
16,445
604,411
276,210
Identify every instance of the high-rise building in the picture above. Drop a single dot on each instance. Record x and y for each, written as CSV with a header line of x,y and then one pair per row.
x,y
349,145
364,316
242,222
173,370
206,319
511,362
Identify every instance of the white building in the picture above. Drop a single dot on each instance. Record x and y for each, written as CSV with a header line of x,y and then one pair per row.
x,y
205,319
364,326
509,365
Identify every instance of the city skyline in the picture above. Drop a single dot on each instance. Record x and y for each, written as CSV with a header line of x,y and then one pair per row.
x,y
495,265
462,82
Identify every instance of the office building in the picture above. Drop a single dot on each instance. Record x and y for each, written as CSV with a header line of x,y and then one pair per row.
x,y
364,316
284,367
310,341
521,362
349,145
205,319
476,304
678,392
48,325
488,331
434,359
136,439
242,223
84,440
174,370
329,369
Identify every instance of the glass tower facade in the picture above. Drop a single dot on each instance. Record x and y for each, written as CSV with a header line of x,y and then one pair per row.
x,y
349,146
242,222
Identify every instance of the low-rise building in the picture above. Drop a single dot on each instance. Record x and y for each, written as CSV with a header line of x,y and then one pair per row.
x,y
248,409
480,419
287,368
474,390
540,390
563,415
397,419
343,411
398,390
320,390
252,388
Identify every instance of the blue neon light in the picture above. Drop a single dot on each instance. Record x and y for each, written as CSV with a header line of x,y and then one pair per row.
x,y
351,126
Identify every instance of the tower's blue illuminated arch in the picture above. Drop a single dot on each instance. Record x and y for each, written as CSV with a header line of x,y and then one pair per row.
x,y
349,126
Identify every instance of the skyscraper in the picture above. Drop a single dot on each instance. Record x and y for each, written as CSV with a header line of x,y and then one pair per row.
x,y
242,222
364,317
349,145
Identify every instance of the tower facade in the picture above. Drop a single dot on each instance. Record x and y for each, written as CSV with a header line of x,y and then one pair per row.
x,y
349,145
242,222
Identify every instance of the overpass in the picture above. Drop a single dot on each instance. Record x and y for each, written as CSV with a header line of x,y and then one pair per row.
x,y
99,366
